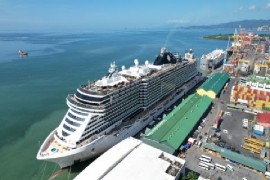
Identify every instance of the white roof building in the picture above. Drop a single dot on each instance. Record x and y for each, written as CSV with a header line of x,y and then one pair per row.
x,y
202,178
132,159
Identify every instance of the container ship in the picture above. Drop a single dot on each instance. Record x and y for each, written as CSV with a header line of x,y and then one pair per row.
x,y
119,105
213,59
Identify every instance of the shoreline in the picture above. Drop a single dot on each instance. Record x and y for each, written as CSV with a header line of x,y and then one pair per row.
x,y
230,37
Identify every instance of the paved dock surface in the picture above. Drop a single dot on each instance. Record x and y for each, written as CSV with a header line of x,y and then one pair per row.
x,y
232,138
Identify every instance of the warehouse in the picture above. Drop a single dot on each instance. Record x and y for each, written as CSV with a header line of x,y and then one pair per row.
x,y
236,157
263,119
213,85
174,129
132,159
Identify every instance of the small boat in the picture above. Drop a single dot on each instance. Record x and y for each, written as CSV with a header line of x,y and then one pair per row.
x,y
22,53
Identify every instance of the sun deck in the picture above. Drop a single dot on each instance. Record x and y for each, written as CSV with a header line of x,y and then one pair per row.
x,y
54,147
93,89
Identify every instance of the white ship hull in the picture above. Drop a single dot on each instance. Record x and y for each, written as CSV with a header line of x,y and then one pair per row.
x,y
105,142
212,60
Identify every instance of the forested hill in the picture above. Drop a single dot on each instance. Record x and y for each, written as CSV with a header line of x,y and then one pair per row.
x,y
248,24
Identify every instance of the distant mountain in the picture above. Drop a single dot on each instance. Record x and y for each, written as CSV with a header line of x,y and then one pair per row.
x,y
248,24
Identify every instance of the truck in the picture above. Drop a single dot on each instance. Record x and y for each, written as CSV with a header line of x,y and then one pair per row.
x,y
217,121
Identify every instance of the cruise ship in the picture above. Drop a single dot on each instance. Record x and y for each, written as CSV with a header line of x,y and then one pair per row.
x,y
119,105
212,59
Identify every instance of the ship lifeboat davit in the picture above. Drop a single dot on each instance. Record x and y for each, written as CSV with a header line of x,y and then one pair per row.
x,y
22,53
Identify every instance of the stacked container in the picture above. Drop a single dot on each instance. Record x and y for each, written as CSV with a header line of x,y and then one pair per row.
x,y
257,99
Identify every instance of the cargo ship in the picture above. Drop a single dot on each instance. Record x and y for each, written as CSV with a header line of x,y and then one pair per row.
x,y
119,105
213,59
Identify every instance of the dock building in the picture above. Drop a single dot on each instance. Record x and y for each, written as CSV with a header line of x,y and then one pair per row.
x,y
213,85
133,159
174,129
263,119
236,157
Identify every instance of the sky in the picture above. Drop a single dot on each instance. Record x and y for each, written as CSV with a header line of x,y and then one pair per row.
x,y
95,15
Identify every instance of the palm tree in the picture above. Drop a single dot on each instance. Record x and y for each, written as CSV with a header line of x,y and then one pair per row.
x,y
190,176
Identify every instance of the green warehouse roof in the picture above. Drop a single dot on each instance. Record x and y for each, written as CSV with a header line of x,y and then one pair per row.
x,y
247,161
212,147
215,83
170,133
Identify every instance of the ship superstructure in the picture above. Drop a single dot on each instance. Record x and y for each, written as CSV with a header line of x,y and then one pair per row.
x,y
119,105
212,59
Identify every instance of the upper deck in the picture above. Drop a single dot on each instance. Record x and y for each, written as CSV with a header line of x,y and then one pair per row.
x,y
129,78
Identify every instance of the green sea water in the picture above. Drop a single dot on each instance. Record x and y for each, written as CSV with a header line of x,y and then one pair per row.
x,y
33,89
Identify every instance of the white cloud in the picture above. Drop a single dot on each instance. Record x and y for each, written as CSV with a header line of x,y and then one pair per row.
x,y
178,21
252,8
267,6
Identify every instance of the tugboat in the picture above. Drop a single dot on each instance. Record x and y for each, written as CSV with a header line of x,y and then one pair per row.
x,y
22,53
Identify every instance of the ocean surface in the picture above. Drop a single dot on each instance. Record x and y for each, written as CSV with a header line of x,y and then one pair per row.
x,y
33,88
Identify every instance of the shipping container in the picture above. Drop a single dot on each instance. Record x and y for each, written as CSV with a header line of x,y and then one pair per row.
x,y
258,129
